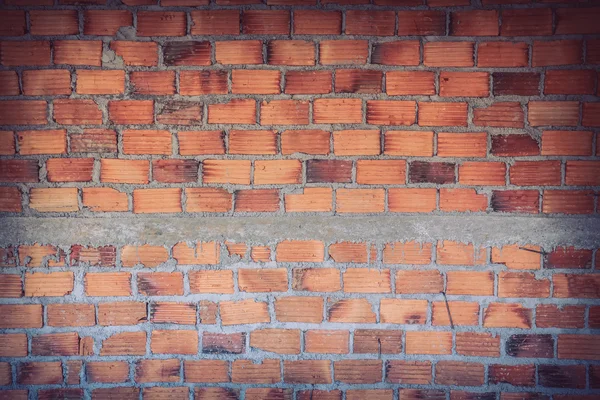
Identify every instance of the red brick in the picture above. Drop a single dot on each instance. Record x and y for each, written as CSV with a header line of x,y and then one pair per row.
x,y
136,53
408,143
516,375
257,200
317,22
514,146
161,23
403,52
442,114
10,199
460,84
516,83
333,111
448,54
266,22
236,111
9,83
78,52
410,83
23,112
535,173
105,22
124,112
583,173
377,23
550,316
502,114
503,54
577,21
77,112
590,114
474,23
15,53
290,52
13,22
507,315
152,83
188,53
569,82
308,82
284,112
333,52
40,373
429,23
526,22
193,83
408,372
557,52
215,22
568,202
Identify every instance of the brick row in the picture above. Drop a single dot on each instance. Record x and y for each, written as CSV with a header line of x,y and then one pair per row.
x,y
107,22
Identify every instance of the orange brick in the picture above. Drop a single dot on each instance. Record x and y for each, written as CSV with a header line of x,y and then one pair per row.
x,y
360,200
11,286
316,280
42,142
131,111
299,309
362,280
208,200
108,284
206,371
351,311
462,200
463,313
247,371
161,23
411,282
78,52
403,311
474,23
331,342
267,172
448,54
407,253
153,83
348,252
13,345
333,52
94,141
41,256
215,22
160,283
412,199
522,284
15,53
23,112
378,341
331,111
390,112
146,142
402,52
263,280
173,313
568,202
167,200
54,199
201,142
557,52
356,142
237,111
146,255
136,53
430,22
503,54
21,316
581,347
482,173
507,315
455,253
442,114
124,171
305,141
284,112
530,173
564,113
461,84
226,171
408,143
462,144
567,143
291,52
410,83
257,200
107,371
239,52
282,341
105,22
311,199
252,142
174,342
260,254
247,81
243,312
428,342
266,22
121,313
300,251
157,371
459,373
77,112
308,82
408,372
357,371
69,169
50,284
207,281
317,22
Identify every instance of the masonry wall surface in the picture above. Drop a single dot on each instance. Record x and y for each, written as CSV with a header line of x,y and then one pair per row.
x,y
299,199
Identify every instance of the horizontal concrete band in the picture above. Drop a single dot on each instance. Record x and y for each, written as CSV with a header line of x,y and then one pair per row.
x,y
485,229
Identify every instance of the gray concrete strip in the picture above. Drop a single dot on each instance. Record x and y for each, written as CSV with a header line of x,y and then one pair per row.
x,y
480,229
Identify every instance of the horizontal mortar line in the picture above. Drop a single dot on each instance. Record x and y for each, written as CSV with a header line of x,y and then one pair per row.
x,y
486,230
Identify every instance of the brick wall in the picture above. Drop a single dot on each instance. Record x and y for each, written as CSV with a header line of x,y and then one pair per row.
x,y
470,115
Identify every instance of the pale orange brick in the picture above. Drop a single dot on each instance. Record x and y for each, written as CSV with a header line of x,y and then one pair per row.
x,y
105,199
124,171
157,371
356,142
71,315
326,341
147,141
410,282
167,200
208,200
311,199
284,112
247,371
121,313
174,342
201,253
282,341
363,280
100,82
425,342
337,111
54,199
226,171
462,312
462,200
407,253
518,257
206,371
42,142
201,142
360,200
263,280
421,200
299,309
351,311
507,315
403,311
252,142
300,251
136,53
107,284
236,111
474,283
125,343
462,144
209,281
316,279
260,254
408,143
244,312
48,284
348,252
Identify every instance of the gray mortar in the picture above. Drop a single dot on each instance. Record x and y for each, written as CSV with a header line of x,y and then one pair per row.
x,y
480,229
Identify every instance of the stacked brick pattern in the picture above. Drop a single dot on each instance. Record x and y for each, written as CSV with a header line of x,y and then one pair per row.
x,y
300,319
292,106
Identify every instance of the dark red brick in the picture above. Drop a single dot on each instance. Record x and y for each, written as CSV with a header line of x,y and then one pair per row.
x,y
338,171
569,257
516,83
530,346
514,146
426,172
